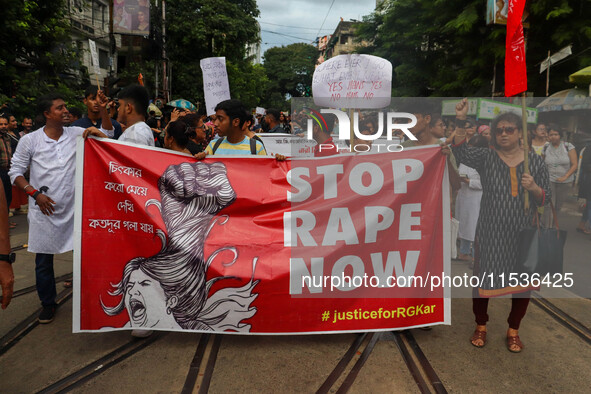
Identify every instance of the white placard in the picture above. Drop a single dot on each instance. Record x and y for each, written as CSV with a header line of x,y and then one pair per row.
x,y
353,81
94,57
260,111
287,145
215,82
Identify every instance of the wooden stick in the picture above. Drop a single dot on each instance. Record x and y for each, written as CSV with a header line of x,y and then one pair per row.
x,y
352,132
525,146
98,85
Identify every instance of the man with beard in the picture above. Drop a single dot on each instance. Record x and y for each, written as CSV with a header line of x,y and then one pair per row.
x,y
96,114
50,153
26,126
272,120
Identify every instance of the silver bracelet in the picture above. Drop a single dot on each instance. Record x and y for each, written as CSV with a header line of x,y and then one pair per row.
x,y
25,188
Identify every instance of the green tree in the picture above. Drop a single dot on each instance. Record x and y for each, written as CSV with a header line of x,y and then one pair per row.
x,y
197,29
289,70
248,82
444,48
36,53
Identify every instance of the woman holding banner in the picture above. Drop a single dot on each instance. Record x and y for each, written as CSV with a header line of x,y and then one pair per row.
x,y
502,215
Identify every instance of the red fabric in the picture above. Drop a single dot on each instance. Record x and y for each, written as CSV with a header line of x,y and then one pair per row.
x,y
255,225
515,70
327,148
19,198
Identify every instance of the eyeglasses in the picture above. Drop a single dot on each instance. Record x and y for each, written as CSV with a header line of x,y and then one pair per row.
x,y
509,130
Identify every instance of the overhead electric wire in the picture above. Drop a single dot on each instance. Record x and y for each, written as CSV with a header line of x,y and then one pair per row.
x,y
286,35
295,27
326,16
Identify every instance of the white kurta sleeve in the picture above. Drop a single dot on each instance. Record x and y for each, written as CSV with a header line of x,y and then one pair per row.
x,y
80,130
109,133
475,184
21,159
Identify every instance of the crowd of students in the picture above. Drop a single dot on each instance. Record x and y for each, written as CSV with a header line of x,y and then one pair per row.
x,y
40,164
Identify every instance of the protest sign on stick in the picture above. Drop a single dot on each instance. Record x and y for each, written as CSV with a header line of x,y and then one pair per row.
x,y
353,81
95,61
216,87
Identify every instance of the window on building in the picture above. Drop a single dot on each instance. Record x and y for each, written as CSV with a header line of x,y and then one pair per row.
x,y
344,39
103,59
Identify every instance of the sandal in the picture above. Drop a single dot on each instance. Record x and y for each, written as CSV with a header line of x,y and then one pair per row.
x,y
478,335
68,284
12,225
514,341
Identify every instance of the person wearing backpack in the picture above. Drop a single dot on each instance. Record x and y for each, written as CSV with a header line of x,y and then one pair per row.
x,y
230,116
561,159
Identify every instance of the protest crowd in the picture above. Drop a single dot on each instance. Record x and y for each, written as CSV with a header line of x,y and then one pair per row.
x,y
38,164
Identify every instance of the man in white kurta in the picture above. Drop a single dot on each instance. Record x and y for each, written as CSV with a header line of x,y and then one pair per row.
x,y
50,153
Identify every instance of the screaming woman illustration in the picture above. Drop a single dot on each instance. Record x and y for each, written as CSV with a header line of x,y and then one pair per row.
x,y
169,290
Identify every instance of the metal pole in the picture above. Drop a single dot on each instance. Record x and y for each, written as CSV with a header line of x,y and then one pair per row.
x,y
494,81
111,44
548,76
156,81
164,74
525,146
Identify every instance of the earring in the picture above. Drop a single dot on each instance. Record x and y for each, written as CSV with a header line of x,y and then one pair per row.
x,y
168,311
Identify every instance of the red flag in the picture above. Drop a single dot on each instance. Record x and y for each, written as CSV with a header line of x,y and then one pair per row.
x,y
515,70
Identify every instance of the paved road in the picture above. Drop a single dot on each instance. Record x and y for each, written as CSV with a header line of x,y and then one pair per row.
x,y
557,357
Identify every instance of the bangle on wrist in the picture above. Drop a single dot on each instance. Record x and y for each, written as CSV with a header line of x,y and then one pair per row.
x,y
32,192
27,185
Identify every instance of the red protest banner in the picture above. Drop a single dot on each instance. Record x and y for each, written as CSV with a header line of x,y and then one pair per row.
x,y
252,245
515,68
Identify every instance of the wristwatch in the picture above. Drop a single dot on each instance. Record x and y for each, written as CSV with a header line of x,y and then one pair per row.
x,y
11,258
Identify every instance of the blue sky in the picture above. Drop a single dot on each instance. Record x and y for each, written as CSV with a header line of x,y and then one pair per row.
x,y
300,20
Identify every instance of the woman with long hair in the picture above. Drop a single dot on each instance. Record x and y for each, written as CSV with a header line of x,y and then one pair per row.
x,y
175,291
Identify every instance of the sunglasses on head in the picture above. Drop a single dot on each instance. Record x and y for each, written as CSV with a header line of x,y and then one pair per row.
x,y
508,130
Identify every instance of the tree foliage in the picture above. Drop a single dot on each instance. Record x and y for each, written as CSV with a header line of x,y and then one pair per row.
x,y
197,29
444,48
289,70
36,53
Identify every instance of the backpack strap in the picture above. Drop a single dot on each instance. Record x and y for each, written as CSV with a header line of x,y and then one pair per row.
x,y
253,146
217,145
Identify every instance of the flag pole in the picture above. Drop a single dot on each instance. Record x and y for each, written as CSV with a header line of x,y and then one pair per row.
x,y
525,146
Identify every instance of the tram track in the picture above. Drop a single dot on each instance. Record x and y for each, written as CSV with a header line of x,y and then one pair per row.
x,y
28,324
18,247
562,317
203,361
30,289
419,366
97,367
